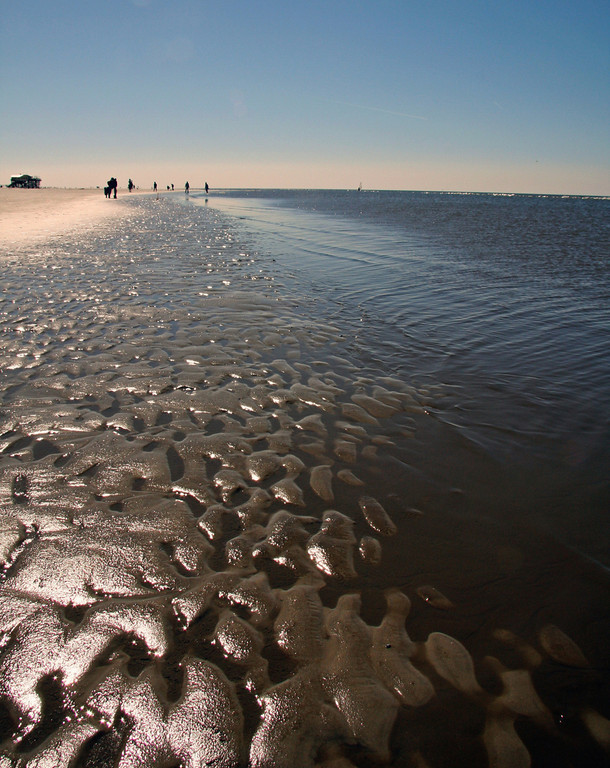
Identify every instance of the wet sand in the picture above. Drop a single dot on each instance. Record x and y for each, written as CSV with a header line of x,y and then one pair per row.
x,y
227,541
28,215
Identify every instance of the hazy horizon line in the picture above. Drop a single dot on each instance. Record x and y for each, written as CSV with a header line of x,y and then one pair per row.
x,y
365,190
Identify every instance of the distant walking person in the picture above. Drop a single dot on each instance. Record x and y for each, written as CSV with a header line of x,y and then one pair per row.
x,y
187,186
207,189
112,185
154,186
130,185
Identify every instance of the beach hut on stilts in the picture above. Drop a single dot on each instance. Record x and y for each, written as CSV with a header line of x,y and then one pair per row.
x,y
25,181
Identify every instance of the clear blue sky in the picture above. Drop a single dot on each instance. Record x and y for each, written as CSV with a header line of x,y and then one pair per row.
x,y
464,95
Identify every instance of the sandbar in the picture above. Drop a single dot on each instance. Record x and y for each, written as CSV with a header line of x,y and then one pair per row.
x,y
30,215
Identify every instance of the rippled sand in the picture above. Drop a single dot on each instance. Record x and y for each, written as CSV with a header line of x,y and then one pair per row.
x,y
203,547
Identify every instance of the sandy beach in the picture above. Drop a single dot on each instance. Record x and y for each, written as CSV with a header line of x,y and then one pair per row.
x,y
244,523
28,215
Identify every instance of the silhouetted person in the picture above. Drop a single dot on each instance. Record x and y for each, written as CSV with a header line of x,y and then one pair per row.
x,y
112,185
130,185
187,186
207,189
172,187
154,186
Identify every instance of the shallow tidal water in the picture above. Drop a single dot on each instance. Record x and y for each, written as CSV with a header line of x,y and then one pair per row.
x,y
254,512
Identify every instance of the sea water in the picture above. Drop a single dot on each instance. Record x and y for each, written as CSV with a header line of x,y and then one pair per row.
x,y
308,478
501,299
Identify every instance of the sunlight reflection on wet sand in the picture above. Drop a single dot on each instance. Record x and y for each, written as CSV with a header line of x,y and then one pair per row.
x,y
203,546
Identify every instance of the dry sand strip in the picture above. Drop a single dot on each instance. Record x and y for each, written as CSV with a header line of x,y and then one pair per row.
x,y
30,215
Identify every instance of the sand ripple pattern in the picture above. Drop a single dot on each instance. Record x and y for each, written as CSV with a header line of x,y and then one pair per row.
x,y
189,491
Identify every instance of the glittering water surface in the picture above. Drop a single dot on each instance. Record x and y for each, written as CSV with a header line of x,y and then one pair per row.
x,y
265,501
